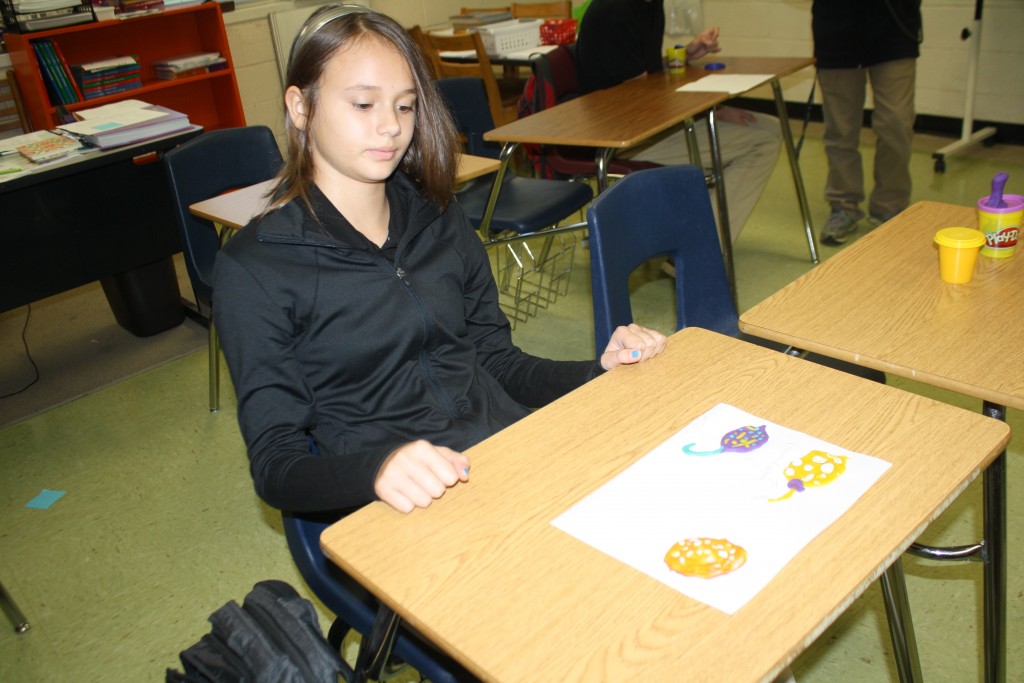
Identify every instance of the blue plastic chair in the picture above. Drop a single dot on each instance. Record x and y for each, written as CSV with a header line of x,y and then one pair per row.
x,y
204,167
666,212
354,606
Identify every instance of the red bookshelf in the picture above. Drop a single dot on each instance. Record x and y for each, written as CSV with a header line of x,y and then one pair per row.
x,y
211,100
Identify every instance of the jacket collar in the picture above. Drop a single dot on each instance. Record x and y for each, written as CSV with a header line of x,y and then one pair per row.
x,y
294,223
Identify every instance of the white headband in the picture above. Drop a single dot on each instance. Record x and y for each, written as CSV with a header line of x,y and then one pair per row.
x,y
318,20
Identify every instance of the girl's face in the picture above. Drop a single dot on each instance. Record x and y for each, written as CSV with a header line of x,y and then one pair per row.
x,y
365,117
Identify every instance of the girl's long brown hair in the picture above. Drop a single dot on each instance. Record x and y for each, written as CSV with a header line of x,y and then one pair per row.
x,y
432,157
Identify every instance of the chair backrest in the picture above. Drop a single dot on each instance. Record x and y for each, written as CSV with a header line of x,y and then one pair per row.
x,y
13,115
418,35
208,165
481,68
650,213
467,99
542,10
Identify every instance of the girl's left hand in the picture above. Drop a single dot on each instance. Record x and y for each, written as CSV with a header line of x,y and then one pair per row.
x,y
632,344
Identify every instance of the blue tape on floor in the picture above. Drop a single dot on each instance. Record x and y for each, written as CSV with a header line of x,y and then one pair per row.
x,y
45,499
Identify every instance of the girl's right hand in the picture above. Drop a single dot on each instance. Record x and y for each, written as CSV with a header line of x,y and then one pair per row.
x,y
415,474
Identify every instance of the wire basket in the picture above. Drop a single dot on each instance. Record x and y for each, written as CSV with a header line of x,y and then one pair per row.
x,y
509,36
558,32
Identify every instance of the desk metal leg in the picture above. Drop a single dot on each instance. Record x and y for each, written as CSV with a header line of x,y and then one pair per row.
x,y
375,648
794,167
991,550
724,231
994,489
901,625
602,157
17,617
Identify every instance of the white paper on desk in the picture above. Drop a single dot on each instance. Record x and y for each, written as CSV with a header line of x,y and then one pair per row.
x,y
669,495
734,84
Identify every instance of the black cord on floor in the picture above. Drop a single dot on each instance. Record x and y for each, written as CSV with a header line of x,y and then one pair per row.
x,y
28,354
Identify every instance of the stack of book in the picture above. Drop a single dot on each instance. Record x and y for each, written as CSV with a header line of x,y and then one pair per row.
x,y
39,15
189,65
107,76
124,123
57,78
138,6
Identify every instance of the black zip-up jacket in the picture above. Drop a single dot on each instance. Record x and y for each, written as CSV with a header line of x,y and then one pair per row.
x,y
326,337
850,34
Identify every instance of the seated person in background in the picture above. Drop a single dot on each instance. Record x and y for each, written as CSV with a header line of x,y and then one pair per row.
x,y
620,40
359,312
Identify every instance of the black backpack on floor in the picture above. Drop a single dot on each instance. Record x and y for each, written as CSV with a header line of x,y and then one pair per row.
x,y
274,637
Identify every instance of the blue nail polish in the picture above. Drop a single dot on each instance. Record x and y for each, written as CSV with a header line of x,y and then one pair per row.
x,y
635,354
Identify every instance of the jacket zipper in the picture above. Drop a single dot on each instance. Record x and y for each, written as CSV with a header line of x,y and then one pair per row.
x,y
403,276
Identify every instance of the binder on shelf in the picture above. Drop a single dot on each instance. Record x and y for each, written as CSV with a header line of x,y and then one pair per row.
x,y
66,71
58,80
124,123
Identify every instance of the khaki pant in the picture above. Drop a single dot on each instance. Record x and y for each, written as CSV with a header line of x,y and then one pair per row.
x,y
749,153
843,92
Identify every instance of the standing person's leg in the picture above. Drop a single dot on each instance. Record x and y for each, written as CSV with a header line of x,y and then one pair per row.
x,y
892,85
842,92
749,153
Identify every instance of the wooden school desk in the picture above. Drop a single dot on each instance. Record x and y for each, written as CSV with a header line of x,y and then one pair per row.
x,y
483,574
880,303
633,112
233,210
105,215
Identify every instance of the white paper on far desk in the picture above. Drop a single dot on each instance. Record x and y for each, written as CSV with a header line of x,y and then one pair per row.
x,y
734,84
684,489
523,54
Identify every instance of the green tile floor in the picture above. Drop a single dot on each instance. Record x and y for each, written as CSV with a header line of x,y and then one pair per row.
x,y
160,526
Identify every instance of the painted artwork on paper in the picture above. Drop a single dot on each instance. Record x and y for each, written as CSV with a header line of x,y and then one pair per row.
x,y
720,526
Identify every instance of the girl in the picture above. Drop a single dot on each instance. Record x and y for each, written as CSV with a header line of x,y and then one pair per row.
x,y
359,313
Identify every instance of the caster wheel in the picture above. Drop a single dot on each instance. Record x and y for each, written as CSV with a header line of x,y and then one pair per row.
x,y
940,165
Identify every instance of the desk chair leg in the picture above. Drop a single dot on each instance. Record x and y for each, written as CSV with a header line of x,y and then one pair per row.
x,y
375,648
213,346
994,493
17,617
901,625
724,229
691,143
794,167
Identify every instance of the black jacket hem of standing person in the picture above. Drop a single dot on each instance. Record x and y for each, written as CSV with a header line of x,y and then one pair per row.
x,y
326,338
851,35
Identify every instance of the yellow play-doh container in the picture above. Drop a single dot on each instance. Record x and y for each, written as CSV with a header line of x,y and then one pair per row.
x,y
1001,226
675,59
958,253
